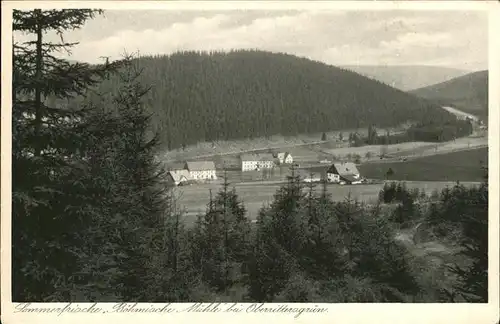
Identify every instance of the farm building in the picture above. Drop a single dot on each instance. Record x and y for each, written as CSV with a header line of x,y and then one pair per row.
x,y
284,158
343,172
252,162
176,177
201,170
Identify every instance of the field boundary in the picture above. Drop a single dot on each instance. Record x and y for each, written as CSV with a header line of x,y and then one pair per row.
x,y
280,147
411,158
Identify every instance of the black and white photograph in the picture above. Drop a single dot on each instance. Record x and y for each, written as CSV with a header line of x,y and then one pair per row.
x,y
247,158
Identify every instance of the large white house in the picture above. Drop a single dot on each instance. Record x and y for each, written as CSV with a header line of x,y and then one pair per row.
x,y
201,170
285,158
343,172
255,162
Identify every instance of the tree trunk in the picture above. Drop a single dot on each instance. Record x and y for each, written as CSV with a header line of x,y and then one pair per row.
x,y
176,238
38,77
226,268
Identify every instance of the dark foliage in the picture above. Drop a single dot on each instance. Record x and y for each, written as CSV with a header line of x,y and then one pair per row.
x,y
468,92
468,208
242,94
48,157
224,240
428,131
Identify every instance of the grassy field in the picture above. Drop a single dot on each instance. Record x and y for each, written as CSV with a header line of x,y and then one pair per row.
x,y
275,142
463,166
254,195
308,148
236,176
312,153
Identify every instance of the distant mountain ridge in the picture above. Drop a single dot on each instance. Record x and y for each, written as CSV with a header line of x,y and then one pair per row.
x,y
407,77
199,97
468,93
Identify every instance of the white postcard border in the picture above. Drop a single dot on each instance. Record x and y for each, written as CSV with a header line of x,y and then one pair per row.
x,y
344,313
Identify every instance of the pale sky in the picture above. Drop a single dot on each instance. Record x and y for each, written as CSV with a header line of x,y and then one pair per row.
x,y
446,38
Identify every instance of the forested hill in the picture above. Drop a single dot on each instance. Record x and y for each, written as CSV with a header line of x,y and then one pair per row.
x,y
468,93
243,94
407,77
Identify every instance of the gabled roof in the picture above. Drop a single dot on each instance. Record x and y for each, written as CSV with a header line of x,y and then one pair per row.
x,y
176,166
344,168
200,165
283,155
177,175
349,177
257,157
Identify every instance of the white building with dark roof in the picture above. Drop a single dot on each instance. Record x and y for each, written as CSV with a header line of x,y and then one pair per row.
x,y
255,162
201,170
343,172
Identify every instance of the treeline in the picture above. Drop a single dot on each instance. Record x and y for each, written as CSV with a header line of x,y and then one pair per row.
x,y
244,94
92,219
468,93
87,195
429,131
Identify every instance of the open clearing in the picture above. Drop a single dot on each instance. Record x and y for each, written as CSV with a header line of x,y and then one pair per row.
x,y
311,153
411,149
254,195
275,142
462,166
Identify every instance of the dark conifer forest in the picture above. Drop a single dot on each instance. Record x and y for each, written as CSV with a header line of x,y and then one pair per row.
x,y
468,93
93,218
199,96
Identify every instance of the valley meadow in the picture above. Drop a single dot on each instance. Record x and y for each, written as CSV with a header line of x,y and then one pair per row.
x,y
194,199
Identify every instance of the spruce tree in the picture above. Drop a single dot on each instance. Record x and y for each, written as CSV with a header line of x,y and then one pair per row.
x,y
171,272
279,241
472,285
225,233
323,254
288,222
269,265
144,183
122,190
48,148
